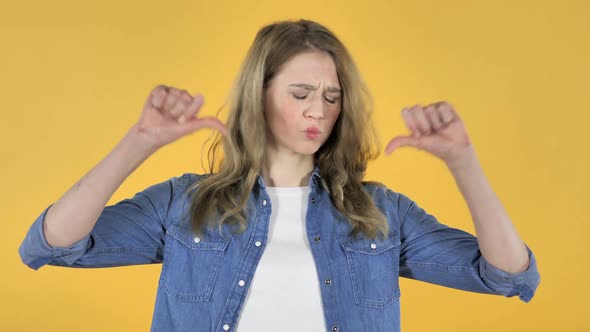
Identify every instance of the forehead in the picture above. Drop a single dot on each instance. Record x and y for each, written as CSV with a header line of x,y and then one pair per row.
x,y
309,67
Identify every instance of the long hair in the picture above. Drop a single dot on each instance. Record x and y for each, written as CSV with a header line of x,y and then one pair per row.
x,y
223,196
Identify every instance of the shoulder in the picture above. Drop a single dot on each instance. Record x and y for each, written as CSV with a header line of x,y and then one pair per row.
x,y
378,190
181,183
388,198
190,178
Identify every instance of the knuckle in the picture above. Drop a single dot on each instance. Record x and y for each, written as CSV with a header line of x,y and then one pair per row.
x,y
182,105
177,109
171,97
186,99
160,90
157,91
175,92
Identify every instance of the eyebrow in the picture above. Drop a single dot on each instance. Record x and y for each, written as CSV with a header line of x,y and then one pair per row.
x,y
311,87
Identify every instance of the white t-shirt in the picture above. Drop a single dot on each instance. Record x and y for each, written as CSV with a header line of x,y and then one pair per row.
x,y
285,291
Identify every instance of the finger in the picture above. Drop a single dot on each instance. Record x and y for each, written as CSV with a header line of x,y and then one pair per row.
x,y
439,112
400,141
184,100
446,112
219,126
194,107
421,121
410,122
208,122
171,99
158,95
433,116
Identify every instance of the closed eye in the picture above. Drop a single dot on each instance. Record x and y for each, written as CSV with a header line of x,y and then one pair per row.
x,y
303,97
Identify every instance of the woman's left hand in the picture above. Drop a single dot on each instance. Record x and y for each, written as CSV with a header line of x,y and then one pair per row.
x,y
437,129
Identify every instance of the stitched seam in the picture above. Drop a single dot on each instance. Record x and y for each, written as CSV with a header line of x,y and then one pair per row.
x,y
441,267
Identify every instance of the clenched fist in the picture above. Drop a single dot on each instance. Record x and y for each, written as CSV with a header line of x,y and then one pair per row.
x,y
169,113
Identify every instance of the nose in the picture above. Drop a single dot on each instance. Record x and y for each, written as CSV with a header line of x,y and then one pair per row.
x,y
316,107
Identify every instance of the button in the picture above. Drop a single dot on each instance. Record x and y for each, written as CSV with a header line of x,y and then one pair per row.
x,y
373,245
241,283
335,328
313,200
226,327
197,239
328,281
264,202
317,239
257,243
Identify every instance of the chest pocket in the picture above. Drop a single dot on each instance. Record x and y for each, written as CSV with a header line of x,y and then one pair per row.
x,y
373,266
191,264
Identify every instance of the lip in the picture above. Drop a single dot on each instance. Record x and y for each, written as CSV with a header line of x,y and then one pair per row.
x,y
313,130
312,134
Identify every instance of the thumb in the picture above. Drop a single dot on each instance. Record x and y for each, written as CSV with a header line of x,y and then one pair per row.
x,y
400,141
195,124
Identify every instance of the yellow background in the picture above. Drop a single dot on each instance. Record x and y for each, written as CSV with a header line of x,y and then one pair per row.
x,y
75,74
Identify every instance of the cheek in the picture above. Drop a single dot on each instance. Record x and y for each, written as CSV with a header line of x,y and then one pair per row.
x,y
334,116
289,112
284,117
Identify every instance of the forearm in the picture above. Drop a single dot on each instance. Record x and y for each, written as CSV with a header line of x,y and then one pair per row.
x,y
74,215
498,240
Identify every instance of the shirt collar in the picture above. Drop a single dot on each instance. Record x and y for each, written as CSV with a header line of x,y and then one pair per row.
x,y
313,179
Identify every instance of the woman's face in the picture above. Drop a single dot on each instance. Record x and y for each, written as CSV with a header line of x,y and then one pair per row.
x,y
304,93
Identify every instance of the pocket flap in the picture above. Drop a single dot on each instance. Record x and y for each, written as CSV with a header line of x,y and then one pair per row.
x,y
187,237
369,246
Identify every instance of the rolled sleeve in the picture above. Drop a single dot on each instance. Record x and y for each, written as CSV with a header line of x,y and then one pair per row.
x,y
434,252
35,251
129,232
523,284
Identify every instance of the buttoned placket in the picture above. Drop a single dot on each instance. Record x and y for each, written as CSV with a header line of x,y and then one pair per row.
x,y
253,256
235,299
314,228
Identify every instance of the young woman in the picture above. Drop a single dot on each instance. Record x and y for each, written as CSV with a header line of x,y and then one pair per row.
x,y
286,235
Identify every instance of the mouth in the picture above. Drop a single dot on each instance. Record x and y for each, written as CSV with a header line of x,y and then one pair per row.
x,y
312,134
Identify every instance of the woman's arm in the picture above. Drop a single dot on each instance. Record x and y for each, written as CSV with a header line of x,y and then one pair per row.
x,y
74,215
496,260
438,129
498,241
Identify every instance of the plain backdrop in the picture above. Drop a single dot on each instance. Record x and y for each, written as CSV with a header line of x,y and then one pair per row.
x,y
75,74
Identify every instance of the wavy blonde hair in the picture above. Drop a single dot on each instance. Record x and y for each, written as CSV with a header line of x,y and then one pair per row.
x,y
342,159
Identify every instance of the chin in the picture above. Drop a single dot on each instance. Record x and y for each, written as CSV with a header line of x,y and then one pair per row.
x,y
310,151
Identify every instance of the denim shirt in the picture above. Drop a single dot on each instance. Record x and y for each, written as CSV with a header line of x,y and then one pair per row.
x,y
203,282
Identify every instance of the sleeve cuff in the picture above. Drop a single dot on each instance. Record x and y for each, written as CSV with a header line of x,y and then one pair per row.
x,y
35,251
523,284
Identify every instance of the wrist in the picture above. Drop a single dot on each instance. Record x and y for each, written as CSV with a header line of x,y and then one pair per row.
x,y
137,144
467,160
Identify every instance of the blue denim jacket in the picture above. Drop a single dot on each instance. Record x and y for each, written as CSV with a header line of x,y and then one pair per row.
x,y
199,286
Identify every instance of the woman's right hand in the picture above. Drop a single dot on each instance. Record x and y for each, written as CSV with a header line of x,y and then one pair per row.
x,y
169,113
